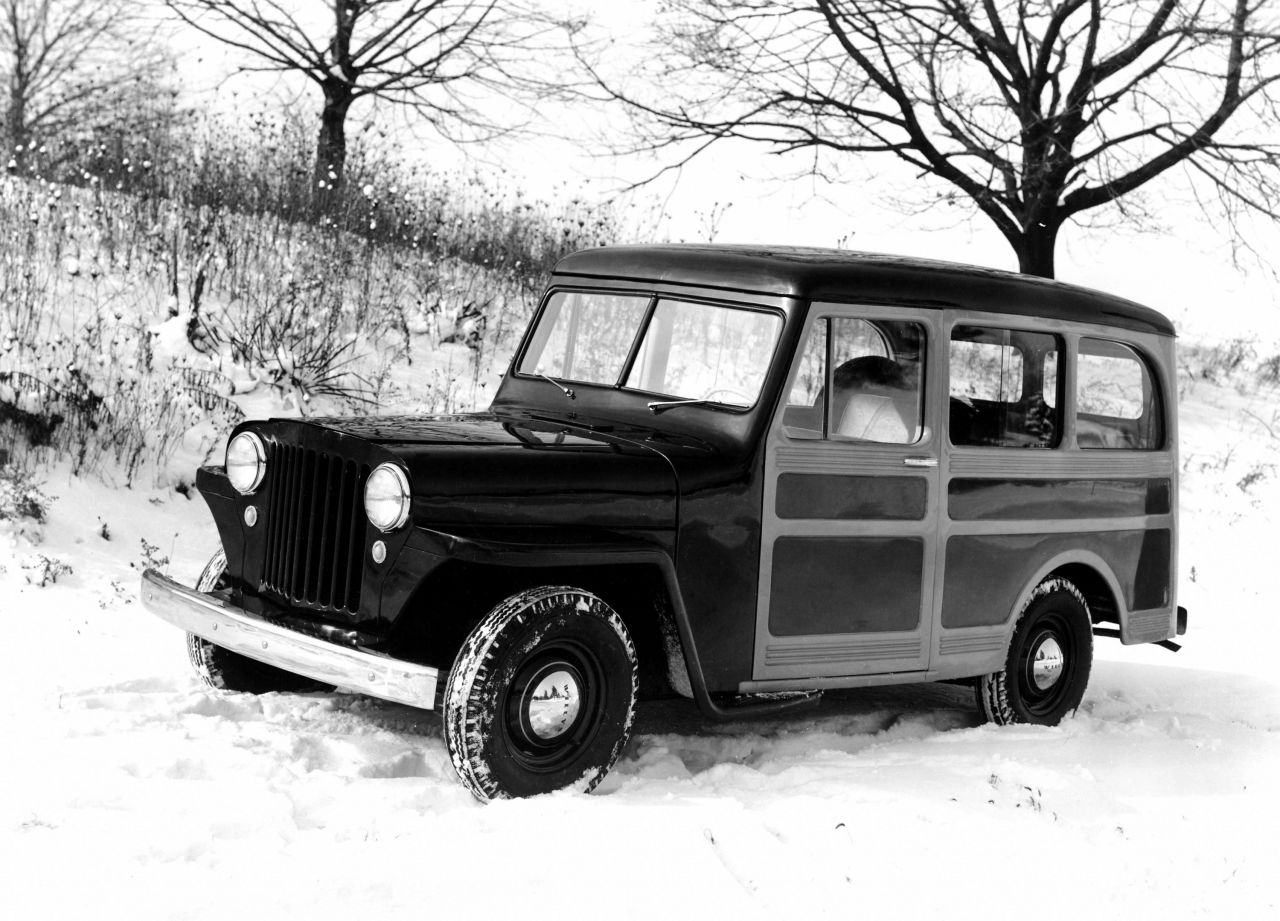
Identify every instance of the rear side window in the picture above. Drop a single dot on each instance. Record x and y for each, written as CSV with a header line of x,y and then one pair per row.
x,y
1004,388
1117,406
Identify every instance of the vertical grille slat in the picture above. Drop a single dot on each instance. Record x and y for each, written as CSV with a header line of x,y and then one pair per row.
x,y
288,507
286,503
314,538
324,559
342,535
274,469
352,592
301,534
315,516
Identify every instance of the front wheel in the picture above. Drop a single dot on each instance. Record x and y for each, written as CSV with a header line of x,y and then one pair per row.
x,y
541,696
229,671
1047,669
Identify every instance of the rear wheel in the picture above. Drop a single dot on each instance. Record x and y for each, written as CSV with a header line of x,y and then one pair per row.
x,y
229,671
541,696
1050,656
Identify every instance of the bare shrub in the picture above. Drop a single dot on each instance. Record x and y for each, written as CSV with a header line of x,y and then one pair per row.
x,y
1269,371
295,339
259,165
1215,363
21,495
42,571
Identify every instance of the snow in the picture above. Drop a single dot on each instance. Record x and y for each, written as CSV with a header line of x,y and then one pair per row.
x,y
132,792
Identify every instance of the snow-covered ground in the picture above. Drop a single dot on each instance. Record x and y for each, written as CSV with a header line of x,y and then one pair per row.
x,y
129,791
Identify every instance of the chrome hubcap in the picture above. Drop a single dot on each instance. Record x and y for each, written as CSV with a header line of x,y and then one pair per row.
x,y
554,704
1046,664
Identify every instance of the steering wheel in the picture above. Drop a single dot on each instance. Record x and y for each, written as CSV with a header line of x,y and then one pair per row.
x,y
744,399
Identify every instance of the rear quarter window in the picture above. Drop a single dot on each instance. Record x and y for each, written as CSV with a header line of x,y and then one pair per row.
x,y
1117,403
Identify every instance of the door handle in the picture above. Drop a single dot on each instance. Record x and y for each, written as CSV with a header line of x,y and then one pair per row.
x,y
920,461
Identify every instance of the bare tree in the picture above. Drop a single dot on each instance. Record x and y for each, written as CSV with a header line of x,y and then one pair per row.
x,y
74,67
1033,111
436,56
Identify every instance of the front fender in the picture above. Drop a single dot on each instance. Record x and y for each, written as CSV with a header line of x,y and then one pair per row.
x,y
434,548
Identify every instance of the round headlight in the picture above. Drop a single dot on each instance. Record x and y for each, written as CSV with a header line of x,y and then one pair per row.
x,y
246,462
386,497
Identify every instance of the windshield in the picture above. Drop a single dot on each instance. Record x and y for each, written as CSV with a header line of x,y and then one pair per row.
x,y
687,350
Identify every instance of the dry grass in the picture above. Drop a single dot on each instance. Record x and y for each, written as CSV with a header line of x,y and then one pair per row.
x,y
145,290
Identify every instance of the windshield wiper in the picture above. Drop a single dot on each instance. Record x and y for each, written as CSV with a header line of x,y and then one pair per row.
x,y
567,392
659,406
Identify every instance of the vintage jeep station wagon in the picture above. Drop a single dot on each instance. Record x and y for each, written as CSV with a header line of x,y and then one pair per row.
x,y
727,472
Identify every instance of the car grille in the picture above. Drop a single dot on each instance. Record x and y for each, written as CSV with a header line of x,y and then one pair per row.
x,y
315,527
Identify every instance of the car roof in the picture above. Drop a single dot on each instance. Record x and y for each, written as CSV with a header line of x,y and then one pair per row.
x,y
839,275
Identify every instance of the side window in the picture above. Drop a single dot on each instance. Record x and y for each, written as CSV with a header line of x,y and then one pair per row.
x,y
1004,385
859,380
1116,402
806,403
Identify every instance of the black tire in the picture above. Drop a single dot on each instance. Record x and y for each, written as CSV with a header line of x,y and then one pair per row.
x,y
229,671
509,730
1050,656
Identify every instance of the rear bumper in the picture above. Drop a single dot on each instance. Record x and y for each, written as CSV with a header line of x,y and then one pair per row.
x,y
225,625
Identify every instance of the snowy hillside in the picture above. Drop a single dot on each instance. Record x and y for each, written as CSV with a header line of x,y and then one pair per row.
x,y
132,792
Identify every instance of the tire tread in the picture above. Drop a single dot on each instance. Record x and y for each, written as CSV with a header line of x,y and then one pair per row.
x,y
463,704
992,690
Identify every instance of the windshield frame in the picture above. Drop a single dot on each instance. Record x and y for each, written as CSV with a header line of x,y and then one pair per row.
x,y
653,298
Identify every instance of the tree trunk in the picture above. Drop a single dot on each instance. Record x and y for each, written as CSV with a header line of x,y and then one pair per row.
x,y
331,146
1035,250
16,122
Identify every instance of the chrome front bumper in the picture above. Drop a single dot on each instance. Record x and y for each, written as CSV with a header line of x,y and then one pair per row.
x,y
231,628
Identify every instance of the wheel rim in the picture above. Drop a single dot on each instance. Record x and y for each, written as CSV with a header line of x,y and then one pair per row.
x,y
1047,665
552,703
554,706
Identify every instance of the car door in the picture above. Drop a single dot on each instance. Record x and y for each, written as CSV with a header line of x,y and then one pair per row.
x,y
848,542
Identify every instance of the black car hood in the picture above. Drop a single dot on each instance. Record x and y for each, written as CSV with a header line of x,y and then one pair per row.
x,y
485,470
407,431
